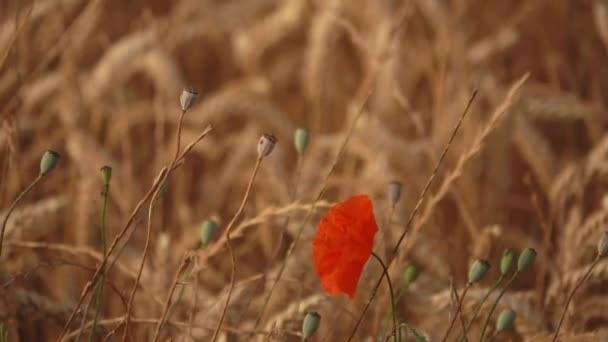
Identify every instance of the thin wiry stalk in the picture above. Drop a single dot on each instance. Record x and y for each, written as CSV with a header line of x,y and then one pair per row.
x,y
580,282
502,292
104,208
149,225
196,272
458,307
118,237
232,255
184,263
498,282
275,254
14,205
122,233
416,208
392,293
321,193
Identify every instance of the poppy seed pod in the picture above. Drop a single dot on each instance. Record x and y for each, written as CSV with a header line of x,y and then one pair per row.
x,y
394,192
266,145
301,139
526,259
48,161
505,320
478,270
187,98
507,262
310,325
411,274
602,245
106,174
208,231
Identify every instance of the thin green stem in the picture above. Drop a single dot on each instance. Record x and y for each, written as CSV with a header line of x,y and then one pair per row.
x,y
400,294
104,209
12,207
561,320
390,287
479,305
502,292
464,293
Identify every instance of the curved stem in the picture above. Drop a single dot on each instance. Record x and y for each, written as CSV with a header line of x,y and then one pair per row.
x,y
232,255
12,207
390,287
478,306
414,211
580,282
104,209
464,293
502,292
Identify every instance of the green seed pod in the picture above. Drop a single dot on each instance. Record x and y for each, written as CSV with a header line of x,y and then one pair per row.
x,y
478,270
106,174
411,274
526,259
48,161
602,245
310,325
301,139
507,262
505,320
208,231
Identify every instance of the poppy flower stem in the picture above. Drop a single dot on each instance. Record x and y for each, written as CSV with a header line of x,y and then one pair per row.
x,y
502,292
390,287
561,320
230,250
464,293
17,200
478,306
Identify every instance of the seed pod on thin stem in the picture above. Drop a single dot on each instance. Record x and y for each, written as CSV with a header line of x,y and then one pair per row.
x,y
266,145
48,161
208,231
505,320
478,270
310,325
507,262
187,98
301,139
602,251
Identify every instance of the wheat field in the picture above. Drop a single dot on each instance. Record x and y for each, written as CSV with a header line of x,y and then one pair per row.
x,y
382,85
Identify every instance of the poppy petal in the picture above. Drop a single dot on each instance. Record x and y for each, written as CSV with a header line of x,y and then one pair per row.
x,y
343,244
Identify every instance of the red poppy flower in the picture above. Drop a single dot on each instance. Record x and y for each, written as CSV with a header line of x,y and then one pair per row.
x,y
344,243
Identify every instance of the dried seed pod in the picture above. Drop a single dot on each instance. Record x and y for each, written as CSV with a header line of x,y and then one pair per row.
x,y
266,145
187,98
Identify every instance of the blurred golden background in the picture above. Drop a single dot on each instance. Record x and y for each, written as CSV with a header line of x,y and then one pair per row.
x,y
99,82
